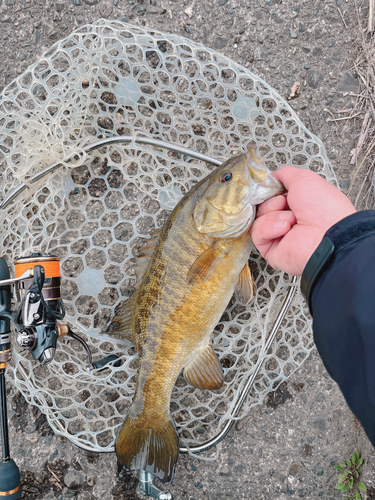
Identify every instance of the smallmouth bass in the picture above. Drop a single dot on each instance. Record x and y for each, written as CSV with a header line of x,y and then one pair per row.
x,y
199,259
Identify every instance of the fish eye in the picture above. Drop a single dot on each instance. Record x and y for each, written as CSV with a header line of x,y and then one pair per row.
x,y
225,176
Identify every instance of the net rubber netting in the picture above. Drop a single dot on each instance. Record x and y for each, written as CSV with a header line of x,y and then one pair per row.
x,y
96,211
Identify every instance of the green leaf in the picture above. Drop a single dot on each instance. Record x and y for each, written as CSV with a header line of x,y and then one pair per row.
x,y
345,488
361,486
348,461
339,486
341,478
355,457
351,482
338,467
358,496
343,464
359,463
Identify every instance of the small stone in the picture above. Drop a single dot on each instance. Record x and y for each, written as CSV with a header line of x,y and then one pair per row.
x,y
318,51
115,3
105,9
329,102
199,485
293,34
315,78
307,66
74,479
306,48
220,42
319,424
303,74
77,2
140,9
293,470
348,83
337,55
296,9
301,28
59,7
124,19
269,3
327,61
331,43
188,29
222,2
345,184
36,37
257,54
339,3
91,2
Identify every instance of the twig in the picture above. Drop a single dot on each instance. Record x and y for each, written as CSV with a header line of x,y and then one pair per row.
x,y
343,111
343,118
371,16
362,137
56,477
328,111
342,17
358,169
311,125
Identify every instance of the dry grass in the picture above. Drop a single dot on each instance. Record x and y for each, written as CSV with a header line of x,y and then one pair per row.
x,y
363,155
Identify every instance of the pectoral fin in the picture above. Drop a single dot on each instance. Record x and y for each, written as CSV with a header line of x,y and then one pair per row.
x,y
205,370
208,261
245,285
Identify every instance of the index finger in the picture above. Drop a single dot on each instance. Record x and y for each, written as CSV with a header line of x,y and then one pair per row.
x,y
288,175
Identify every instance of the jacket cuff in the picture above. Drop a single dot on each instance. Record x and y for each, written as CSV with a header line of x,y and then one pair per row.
x,y
347,231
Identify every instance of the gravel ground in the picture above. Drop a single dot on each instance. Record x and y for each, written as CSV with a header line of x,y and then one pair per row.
x,y
288,446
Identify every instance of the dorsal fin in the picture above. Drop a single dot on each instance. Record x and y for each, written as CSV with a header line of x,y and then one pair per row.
x,y
122,323
145,254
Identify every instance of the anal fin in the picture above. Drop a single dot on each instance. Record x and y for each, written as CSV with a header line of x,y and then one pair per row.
x,y
205,370
245,285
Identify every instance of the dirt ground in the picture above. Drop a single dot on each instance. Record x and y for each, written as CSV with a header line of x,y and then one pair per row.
x,y
288,446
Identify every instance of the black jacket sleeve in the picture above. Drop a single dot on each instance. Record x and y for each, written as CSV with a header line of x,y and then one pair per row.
x,y
342,303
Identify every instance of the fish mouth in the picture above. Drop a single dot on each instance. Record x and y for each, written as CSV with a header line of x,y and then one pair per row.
x,y
265,185
256,166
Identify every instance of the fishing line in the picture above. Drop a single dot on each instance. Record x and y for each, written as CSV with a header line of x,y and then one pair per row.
x,y
24,156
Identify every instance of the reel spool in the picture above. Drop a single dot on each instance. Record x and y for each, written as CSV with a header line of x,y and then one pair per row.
x,y
95,210
52,276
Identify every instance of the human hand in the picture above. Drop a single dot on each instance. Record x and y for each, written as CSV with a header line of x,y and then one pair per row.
x,y
288,228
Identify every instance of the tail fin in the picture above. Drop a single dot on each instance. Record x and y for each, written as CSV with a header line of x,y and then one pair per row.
x,y
152,450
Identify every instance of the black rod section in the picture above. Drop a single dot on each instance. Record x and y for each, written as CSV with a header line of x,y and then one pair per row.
x,y
4,417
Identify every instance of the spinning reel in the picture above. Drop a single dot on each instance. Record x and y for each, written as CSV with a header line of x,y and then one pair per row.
x,y
38,290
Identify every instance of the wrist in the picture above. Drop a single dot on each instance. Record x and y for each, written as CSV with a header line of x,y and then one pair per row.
x,y
347,231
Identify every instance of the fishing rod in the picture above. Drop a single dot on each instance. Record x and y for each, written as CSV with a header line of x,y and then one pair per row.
x,y
37,284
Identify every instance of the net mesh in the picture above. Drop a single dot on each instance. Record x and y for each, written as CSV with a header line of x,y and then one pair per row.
x,y
96,211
